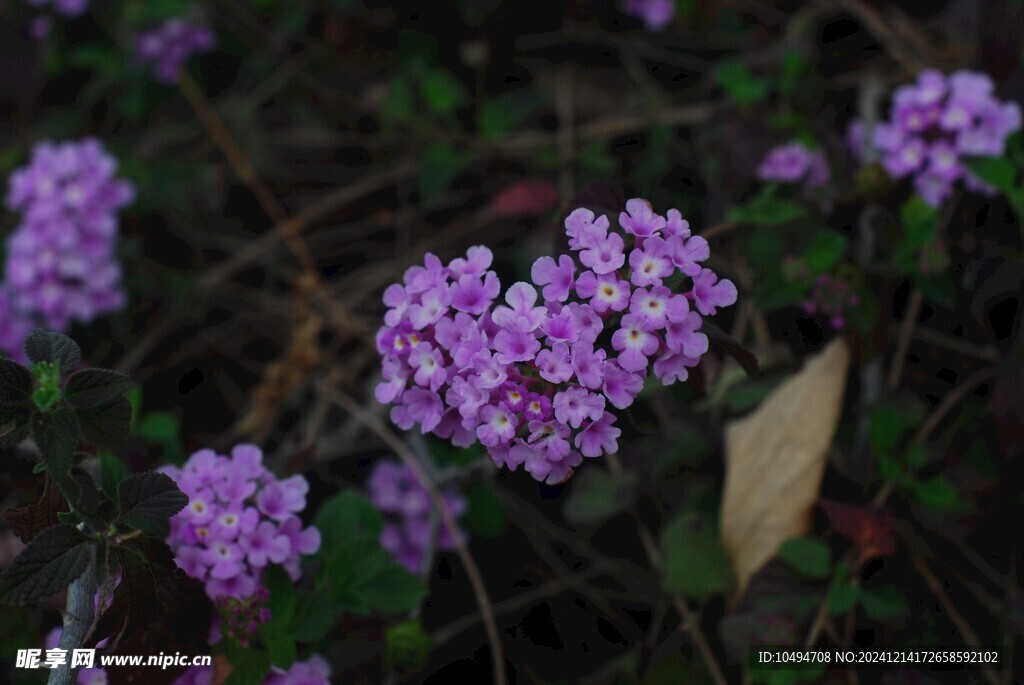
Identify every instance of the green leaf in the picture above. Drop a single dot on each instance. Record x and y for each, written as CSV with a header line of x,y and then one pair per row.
x,y
443,92
108,424
766,209
280,646
808,556
506,112
696,566
886,604
886,428
407,647
15,383
92,387
347,516
364,579
48,564
317,617
597,495
15,424
439,166
938,493
920,221
739,83
48,346
825,251
149,497
159,427
111,472
997,171
57,435
842,596
248,666
486,515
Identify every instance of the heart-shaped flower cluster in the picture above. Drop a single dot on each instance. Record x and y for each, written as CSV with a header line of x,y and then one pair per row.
x,y
61,264
239,520
410,533
936,122
532,379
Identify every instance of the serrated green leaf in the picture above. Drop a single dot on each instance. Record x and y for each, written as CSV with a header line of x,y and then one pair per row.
x,y
48,564
695,566
56,434
810,557
345,517
15,424
93,387
151,497
48,346
106,425
15,383
597,495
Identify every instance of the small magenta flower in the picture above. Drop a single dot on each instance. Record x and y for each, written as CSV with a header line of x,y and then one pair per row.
x,y
709,293
556,278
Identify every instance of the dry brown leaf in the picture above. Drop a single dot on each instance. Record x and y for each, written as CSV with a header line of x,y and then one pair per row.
x,y
775,460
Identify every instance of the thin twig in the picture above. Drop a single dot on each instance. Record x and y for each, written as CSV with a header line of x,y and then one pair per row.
x,y
899,359
483,601
690,618
935,585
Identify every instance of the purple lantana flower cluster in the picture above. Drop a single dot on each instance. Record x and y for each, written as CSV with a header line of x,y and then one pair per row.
x,y
239,520
60,265
533,378
934,124
168,46
795,163
414,526
656,14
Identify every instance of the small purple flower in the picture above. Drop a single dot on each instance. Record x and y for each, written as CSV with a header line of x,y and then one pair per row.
x,y
584,230
573,405
473,295
557,279
604,256
606,292
498,427
635,341
709,293
651,263
168,46
554,365
521,315
640,220
600,437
